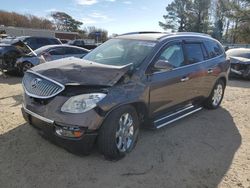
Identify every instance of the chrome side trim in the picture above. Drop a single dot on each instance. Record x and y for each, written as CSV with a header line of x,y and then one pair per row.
x,y
46,78
173,120
174,113
38,116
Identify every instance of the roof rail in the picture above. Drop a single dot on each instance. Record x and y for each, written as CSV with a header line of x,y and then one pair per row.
x,y
141,32
191,33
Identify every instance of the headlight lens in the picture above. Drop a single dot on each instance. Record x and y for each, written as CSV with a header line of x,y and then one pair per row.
x,y
82,103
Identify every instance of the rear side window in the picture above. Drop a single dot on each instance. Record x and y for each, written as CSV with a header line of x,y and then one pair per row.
x,y
194,52
54,41
74,51
42,41
213,49
57,51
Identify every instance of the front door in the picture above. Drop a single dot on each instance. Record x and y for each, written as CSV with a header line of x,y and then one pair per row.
x,y
179,85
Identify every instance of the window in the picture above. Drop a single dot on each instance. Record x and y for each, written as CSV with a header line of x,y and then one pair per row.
x,y
74,51
194,53
121,52
54,41
57,51
31,42
42,41
174,55
213,49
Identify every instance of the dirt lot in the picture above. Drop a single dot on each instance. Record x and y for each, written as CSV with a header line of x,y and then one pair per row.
x,y
207,149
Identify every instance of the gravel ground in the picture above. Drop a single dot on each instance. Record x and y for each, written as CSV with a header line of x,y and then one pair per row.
x,y
207,149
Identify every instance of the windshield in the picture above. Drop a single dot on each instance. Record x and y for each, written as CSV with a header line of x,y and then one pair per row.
x,y
119,52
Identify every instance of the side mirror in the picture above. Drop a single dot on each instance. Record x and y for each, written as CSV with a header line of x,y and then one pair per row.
x,y
163,65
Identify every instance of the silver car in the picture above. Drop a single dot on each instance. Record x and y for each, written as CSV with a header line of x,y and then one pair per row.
x,y
48,53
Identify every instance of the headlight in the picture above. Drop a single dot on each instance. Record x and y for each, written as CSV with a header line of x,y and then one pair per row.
x,y
82,103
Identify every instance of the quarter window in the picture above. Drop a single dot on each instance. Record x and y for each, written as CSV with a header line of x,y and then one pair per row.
x,y
194,53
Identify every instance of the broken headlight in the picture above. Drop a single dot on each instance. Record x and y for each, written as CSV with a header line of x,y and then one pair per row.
x,y
82,103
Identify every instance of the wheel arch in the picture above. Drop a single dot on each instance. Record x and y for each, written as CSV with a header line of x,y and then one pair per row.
x,y
140,107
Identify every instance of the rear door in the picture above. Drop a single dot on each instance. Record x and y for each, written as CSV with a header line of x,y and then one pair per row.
x,y
215,60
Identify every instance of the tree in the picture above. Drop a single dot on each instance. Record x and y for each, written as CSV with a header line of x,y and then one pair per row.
x,y
177,17
103,36
220,21
20,20
200,16
65,22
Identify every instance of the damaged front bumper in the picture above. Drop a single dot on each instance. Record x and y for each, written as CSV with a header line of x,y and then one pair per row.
x,y
242,70
48,128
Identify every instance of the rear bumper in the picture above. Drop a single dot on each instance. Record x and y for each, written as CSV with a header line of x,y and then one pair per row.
x,y
46,127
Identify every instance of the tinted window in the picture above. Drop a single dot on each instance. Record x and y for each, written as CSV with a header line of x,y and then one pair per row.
x,y
74,51
42,41
213,49
31,42
78,42
57,51
174,55
54,41
194,52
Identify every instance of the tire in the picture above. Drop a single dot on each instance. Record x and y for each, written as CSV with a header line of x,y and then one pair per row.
x,y
246,73
112,135
216,96
24,67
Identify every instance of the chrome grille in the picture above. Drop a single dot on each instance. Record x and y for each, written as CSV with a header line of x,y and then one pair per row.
x,y
38,86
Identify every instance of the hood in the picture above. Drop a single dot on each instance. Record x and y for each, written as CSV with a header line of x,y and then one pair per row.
x,y
75,71
239,60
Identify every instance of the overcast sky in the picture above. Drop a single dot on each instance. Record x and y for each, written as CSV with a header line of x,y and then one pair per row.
x,y
116,16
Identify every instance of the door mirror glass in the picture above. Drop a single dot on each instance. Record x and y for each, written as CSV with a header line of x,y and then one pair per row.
x,y
163,65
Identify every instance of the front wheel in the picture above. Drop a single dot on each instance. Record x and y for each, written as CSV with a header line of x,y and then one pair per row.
x,y
216,96
24,67
119,133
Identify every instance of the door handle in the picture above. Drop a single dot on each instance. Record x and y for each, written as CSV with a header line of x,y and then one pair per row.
x,y
184,79
209,71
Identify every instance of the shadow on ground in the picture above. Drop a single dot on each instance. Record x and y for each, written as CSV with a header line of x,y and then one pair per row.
x,y
10,79
194,152
238,82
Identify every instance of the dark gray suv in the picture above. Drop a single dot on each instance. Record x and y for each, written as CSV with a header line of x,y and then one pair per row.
x,y
149,79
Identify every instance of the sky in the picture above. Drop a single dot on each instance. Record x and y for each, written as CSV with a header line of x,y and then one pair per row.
x,y
116,16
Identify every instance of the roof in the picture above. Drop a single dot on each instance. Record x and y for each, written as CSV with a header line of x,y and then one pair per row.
x,y
156,36
43,48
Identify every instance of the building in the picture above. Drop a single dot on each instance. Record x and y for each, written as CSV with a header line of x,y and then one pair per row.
x,y
20,31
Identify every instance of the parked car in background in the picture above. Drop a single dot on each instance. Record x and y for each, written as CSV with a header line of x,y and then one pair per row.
x,y
48,53
12,48
240,62
152,79
33,42
82,43
64,41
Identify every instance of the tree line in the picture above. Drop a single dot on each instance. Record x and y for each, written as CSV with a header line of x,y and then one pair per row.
x,y
58,21
225,20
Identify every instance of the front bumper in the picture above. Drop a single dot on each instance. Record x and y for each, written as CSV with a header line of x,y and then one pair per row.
x,y
46,127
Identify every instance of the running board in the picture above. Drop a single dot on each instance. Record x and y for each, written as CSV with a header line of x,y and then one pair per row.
x,y
172,117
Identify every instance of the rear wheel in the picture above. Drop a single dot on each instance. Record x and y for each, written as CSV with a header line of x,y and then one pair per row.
x,y
216,96
119,133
